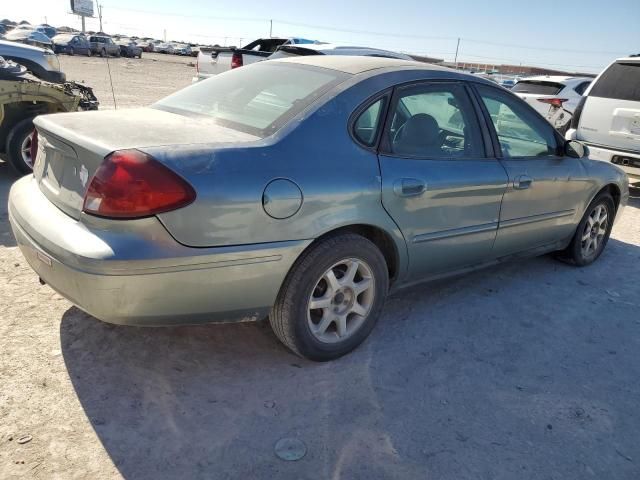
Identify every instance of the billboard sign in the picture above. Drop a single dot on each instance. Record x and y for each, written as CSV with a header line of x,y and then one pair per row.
x,y
82,7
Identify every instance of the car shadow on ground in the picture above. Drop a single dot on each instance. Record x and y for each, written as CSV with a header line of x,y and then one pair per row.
x,y
497,371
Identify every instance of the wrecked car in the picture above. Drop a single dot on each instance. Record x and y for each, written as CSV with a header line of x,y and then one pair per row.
x,y
23,96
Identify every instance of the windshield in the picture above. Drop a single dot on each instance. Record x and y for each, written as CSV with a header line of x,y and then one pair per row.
x,y
257,99
621,81
62,38
538,87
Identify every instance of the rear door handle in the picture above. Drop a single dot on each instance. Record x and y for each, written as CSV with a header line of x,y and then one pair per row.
x,y
409,187
522,182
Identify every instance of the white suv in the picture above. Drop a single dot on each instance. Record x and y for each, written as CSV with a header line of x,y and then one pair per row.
x,y
555,97
607,119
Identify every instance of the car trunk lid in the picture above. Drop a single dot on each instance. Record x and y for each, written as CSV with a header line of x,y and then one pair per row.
x,y
71,146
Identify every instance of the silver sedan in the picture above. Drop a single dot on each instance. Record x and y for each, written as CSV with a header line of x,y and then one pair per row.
x,y
303,190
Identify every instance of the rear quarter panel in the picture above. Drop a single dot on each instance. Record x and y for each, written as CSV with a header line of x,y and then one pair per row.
x,y
340,181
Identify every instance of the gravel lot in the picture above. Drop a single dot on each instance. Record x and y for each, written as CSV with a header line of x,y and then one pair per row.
x,y
524,371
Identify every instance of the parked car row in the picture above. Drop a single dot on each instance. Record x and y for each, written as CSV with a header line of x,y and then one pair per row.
x,y
213,61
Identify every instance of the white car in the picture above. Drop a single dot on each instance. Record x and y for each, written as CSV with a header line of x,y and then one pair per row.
x,y
607,120
555,97
285,51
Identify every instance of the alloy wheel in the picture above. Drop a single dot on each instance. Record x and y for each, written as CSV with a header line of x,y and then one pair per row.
x,y
341,300
595,230
25,150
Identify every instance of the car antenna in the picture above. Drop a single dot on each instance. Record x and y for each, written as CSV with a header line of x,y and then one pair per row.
x,y
113,93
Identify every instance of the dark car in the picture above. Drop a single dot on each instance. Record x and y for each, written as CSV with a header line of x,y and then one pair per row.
x,y
130,49
103,46
71,44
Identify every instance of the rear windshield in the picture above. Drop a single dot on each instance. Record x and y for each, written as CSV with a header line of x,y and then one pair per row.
x,y
621,81
538,87
257,99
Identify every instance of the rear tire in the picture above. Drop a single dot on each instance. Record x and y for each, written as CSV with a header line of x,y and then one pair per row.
x,y
88,52
592,233
331,298
19,146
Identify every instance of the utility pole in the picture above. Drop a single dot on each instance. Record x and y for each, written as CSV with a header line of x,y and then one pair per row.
x,y
164,37
99,16
457,48
270,28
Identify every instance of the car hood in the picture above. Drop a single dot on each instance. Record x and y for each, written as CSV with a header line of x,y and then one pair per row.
x,y
108,130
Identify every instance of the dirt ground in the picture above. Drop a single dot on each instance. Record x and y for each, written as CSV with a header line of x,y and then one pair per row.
x,y
528,370
136,82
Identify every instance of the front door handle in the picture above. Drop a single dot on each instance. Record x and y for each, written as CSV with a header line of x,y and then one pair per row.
x,y
522,182
409,187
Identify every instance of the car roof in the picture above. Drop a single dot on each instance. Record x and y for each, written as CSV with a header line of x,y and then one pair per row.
x,y
554,78
357,64
347,50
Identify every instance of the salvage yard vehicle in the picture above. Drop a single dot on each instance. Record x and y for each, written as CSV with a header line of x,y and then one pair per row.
x,y
71,44
29,37
555,97
129,49
103,46
22,97
292,50
213,61
608,117
305,190
41,62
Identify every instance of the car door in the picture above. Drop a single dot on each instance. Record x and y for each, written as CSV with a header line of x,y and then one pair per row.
x,y
439,183
545,188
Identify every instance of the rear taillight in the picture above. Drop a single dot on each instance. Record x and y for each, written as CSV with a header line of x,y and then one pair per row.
x,y
556,102
575,120
34,147
236,60
131,184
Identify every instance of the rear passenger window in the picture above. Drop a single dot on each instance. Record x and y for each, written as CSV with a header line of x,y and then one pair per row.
x,y
366,126
621,81
521,132
434,120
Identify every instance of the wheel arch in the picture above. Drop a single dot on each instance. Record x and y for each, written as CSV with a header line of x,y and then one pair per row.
x,y
380,237
614,191
30,106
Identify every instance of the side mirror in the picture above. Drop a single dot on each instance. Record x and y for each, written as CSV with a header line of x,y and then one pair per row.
x,y
574,149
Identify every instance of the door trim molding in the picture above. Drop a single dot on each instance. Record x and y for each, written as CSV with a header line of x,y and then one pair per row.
x,y
536,218
455,232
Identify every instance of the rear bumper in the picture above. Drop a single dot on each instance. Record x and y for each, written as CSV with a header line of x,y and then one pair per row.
x,y
138,274
629,162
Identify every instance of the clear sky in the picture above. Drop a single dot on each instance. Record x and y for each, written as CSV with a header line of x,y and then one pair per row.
x,y
574,35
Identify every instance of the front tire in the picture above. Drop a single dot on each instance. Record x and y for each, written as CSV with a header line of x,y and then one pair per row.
x,y
19,146
332,298
592,233
71,52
